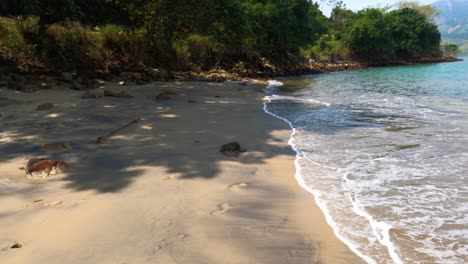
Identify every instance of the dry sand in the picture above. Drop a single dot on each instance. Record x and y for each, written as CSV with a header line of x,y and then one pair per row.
x,y
159,191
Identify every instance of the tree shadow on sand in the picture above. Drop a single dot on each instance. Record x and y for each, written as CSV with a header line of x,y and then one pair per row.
x,y
185,143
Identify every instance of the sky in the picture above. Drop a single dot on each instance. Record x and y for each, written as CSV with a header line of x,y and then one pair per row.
x,y
360,4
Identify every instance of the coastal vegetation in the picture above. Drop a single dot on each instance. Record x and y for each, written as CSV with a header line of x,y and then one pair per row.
x,y
243,36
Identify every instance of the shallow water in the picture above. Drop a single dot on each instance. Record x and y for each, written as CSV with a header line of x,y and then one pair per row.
x,y
385,153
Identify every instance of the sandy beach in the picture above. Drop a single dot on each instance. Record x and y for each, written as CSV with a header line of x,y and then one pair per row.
x,y
158,191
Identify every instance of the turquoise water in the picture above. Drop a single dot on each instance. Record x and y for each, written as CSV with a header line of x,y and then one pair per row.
x,y
385,153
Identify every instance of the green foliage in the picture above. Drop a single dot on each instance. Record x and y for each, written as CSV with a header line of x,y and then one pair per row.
x,y
280,28
327,49
71,45
369,36
202,34
450,49
378,34
462,44
412,33
13,47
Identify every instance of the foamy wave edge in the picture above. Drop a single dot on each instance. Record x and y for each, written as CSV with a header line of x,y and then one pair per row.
x,y
316,194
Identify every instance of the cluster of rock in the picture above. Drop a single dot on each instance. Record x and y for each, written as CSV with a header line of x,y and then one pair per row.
x,y
325,67
31,82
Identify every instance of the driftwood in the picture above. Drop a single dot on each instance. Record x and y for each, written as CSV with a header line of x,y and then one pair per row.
x,y
103,139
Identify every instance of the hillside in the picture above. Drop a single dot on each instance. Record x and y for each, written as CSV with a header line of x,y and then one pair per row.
x,y
453,21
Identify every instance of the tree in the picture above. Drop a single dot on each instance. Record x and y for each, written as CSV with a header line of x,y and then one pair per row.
x,y
428,10
413,34
340,19
369,37
450,49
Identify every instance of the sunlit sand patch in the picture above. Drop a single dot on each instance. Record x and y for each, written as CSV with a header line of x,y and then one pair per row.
x,y
146,127
29,137
237,186
8,136
168,116
53,115
110,106
130,138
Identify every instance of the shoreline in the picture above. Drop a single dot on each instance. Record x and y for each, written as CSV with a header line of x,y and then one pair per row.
x,y
148,75
300,181
160,190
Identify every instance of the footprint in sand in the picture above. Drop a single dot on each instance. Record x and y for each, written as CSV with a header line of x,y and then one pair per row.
x,y
237,186
221,209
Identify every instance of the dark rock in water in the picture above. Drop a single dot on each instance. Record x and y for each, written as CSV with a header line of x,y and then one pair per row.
x,y
38,168
46,106
16,245
166,95
192,101
232,149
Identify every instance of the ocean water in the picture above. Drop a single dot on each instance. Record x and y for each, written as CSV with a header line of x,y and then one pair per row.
x,y
385,153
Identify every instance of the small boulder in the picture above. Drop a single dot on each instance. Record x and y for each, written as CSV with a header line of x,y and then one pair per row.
x,y
27,88
122,94
166,95
46,106
232,149
16,245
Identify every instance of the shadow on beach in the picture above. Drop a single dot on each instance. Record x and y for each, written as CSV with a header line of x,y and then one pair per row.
x,y
182,137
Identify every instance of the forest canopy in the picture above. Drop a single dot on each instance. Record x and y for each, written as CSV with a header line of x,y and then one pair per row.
x,y
204,34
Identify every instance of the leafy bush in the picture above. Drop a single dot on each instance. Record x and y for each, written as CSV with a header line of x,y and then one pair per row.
x,y
13,47
71,45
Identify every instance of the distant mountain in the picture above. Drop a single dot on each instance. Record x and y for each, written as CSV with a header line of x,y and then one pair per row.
x,y
453,20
